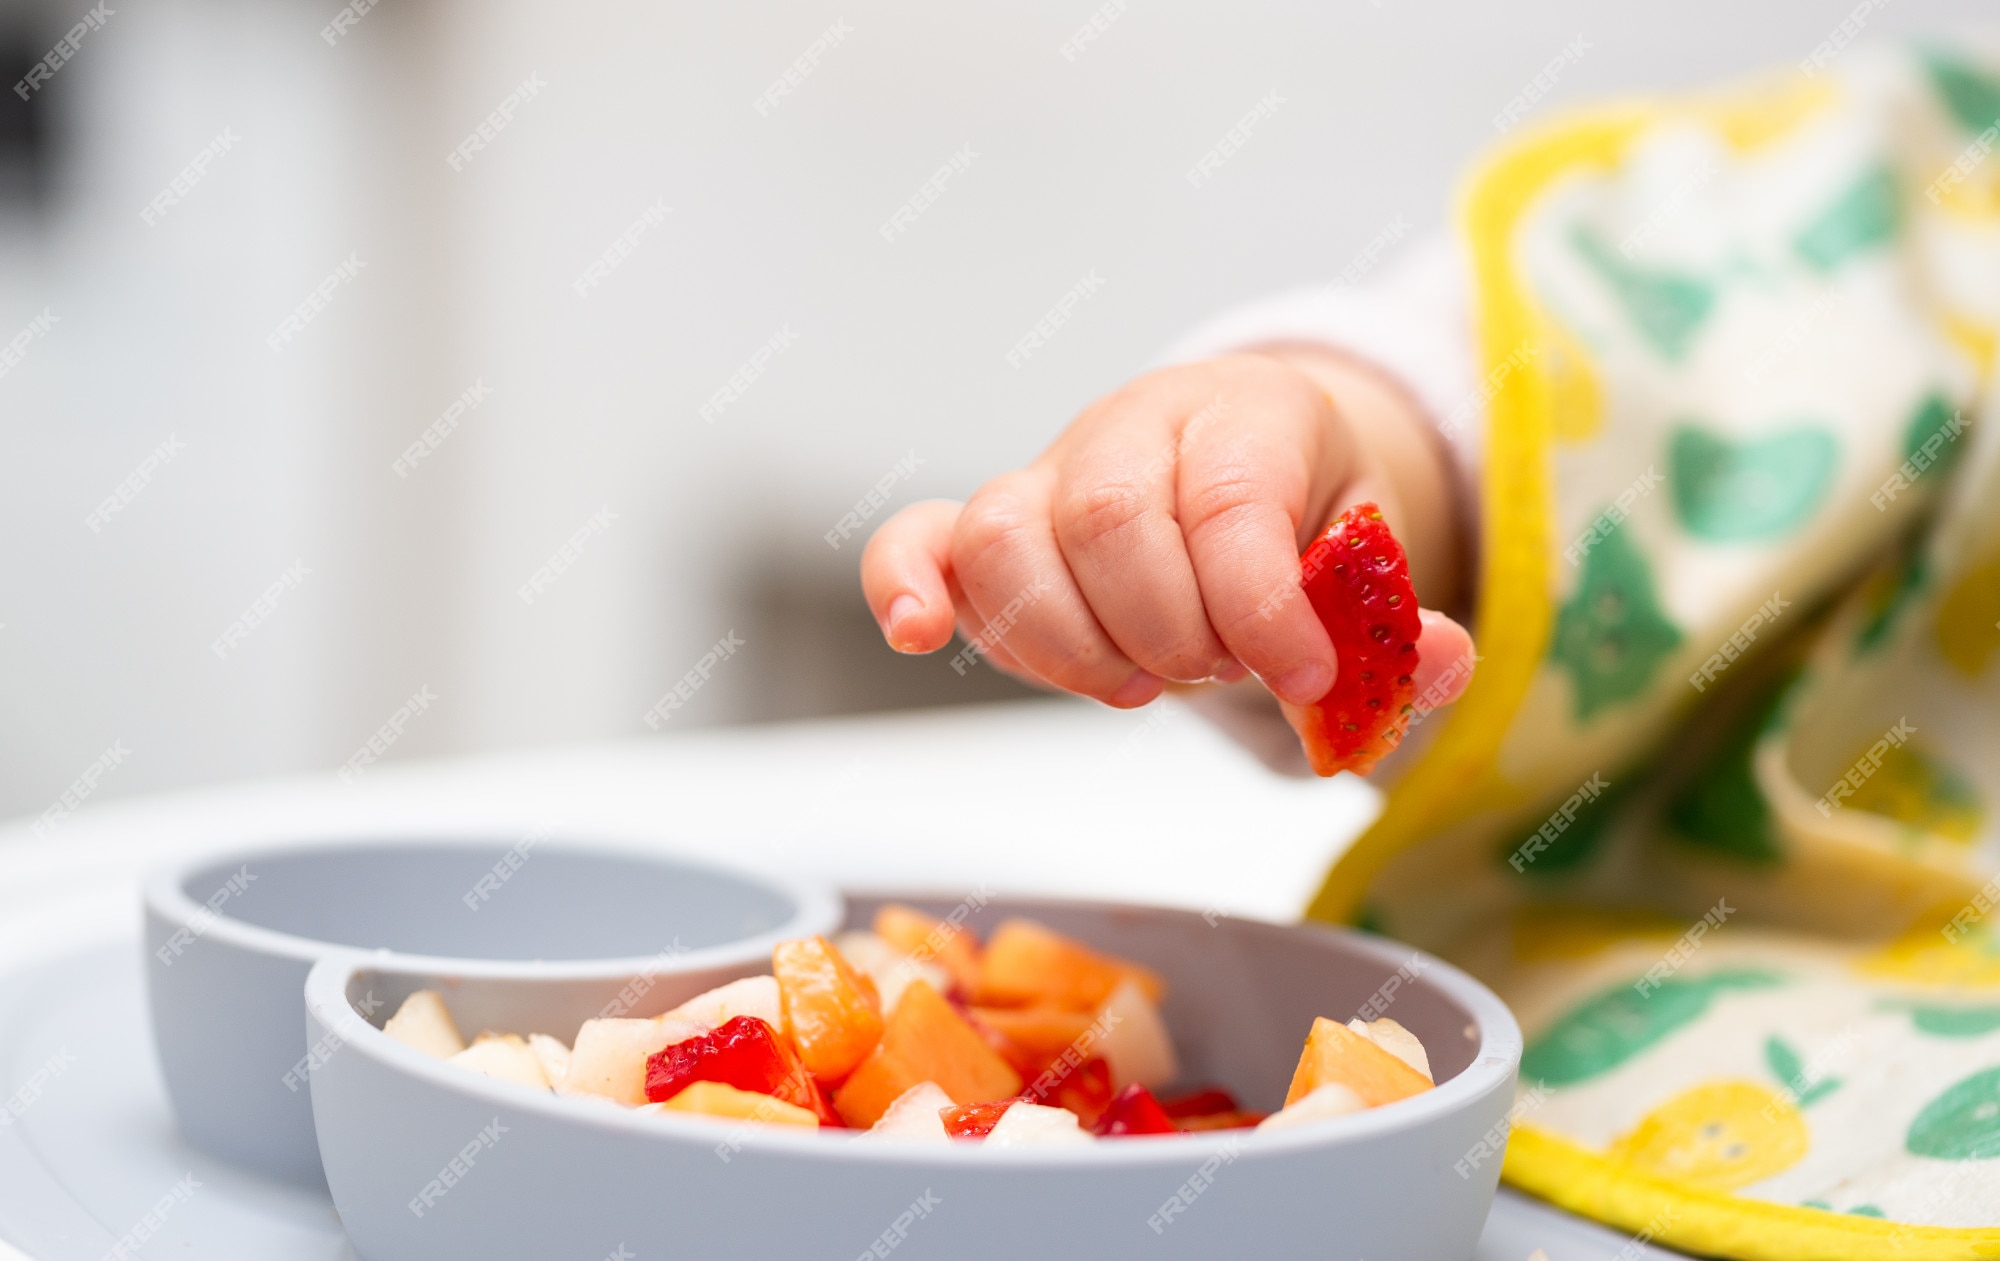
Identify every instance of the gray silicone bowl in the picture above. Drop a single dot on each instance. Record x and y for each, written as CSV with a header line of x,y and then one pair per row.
x,y
520,1175
229,939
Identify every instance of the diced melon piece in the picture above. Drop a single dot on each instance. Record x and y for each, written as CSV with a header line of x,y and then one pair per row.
x,y
1330,1100
717,1099
424,1022
505,1056
831,1011
1335,1053
924,1039
915,1114
1027,965
927,938
751,996
1033,1125
552,1055
1133,1039
1397,1041
609,1058
1042,1032
890,969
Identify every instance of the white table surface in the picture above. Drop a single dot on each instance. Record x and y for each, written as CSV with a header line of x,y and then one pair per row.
x,y
1052,797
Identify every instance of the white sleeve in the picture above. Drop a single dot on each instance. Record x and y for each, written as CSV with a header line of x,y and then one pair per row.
x,y
1413,324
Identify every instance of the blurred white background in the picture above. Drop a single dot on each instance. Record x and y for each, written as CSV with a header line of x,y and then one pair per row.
x,y
284,457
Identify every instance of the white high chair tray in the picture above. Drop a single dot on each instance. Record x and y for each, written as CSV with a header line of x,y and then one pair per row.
x,y
86,1157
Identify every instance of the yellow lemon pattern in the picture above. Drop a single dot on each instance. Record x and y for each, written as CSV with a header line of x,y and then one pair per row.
x,y
1719,1136
1968,625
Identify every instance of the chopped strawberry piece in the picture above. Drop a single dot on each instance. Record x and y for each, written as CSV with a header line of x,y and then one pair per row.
x,y
743,1051
832,1013
1200,1103
1135,1111
976,1120
821,1102
1358,581
1084,1088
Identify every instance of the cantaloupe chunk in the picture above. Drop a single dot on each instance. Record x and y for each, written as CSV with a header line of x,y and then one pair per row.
x,y
925,1039
1043,1032
1027,965
830,1010
929,939
1336,1054
717,1099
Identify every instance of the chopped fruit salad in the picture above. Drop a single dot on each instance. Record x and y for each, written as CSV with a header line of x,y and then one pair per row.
x,y
1358,581
918,1031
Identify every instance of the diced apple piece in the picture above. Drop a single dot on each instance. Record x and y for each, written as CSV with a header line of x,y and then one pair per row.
x,y
1323,1103
1027,965
924,1039
927,938
505,1056
1133,1039
890,969
609,1058
552,1055
716,1099
1397,1041
424,1022
915,1115
1033,1125
751,996
1335,1053
831,1011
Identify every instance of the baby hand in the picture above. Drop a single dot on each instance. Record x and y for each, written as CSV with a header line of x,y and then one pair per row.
x,y
1158,540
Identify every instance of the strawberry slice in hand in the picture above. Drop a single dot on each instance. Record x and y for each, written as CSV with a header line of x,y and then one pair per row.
x,y
1358,581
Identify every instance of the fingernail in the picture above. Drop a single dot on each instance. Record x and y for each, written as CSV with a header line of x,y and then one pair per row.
x,y
901,609
1136,691
1304,684
1231,671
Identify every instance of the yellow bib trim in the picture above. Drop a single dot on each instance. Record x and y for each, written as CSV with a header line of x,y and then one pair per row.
x,y
1709,1222
1515,606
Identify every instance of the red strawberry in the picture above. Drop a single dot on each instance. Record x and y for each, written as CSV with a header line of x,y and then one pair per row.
x,y
1359,583
976,1120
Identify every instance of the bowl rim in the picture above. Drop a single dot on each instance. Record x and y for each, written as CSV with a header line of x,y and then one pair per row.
x,y
1495,1062
815,907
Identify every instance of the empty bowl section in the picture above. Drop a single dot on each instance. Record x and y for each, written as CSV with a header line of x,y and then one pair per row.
x,y
517,902
230,938
425,1159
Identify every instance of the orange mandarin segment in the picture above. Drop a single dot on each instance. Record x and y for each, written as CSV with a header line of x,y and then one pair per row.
x,y
831,1011
1335,1053
1027,965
